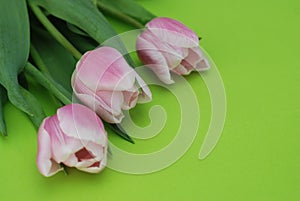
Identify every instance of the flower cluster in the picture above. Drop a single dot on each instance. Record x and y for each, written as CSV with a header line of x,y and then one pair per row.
x,y
104,82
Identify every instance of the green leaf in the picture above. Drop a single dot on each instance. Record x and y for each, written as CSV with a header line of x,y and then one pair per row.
x,y
127,7
81,13
14,49
56,60
82,42
76,30
46,81
85,15
118,131
38,113
3,100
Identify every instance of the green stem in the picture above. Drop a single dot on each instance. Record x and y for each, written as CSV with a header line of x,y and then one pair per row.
x,y
38,60
54,32
64,168
63,95
119,15
42,66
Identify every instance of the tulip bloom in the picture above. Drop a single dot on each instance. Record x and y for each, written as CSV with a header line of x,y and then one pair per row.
x,y
107,84
168,45
75,137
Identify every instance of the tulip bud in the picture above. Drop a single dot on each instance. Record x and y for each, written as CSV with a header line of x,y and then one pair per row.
x,y
168,45
75,137
107,84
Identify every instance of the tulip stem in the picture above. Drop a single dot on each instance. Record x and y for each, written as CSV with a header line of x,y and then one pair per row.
x,y
38,60
64,168
54,31
43,68
46,81
119,15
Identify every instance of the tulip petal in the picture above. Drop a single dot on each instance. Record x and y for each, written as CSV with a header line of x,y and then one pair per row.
x,y
71,161
86,95
85,155
95,154
98,151
196,60
173,55
146,95
182,70
97,164
173,32
177,54
76,121
93,169
154,59
193,57
85,164
113,99
46,165
116,78
62,146
130,99
108,67
203,63
96,106
109,117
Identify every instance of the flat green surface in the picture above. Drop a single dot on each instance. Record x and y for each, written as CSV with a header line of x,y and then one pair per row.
x,y
256,47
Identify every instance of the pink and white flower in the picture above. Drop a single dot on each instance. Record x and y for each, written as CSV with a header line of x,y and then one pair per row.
x,y
75,137
168,45
107,84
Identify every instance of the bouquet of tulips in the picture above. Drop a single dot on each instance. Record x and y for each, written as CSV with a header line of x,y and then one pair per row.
x,y
59,44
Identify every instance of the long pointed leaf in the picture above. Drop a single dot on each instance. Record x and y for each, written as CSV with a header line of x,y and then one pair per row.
x,y
46,81
82,42
128,7
56,59
2,102
14,48
121,133
85,15
38,113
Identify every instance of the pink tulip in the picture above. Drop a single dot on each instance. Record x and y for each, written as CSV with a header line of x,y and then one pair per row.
x,y
168,45
107,84
75,137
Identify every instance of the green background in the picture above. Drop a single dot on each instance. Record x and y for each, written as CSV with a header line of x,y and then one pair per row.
x,y
255,45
